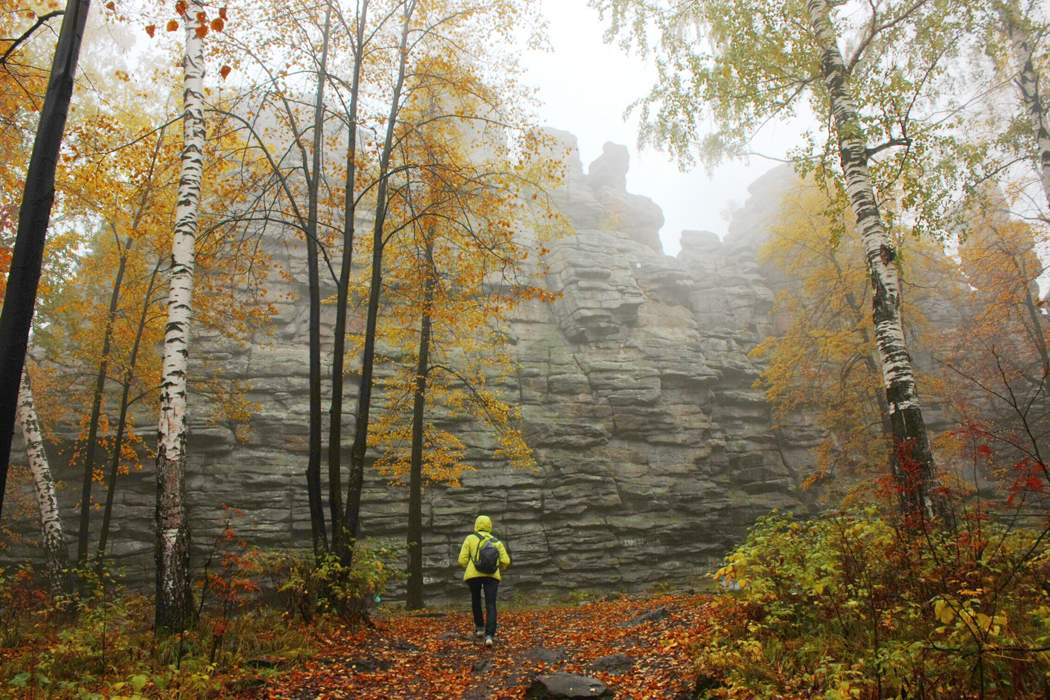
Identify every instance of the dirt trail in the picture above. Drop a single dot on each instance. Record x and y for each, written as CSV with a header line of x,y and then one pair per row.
x,y
637,646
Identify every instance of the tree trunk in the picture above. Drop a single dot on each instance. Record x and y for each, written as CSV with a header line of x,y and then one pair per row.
x,y
313,468
37,199
96,407
174,603
118,441
414,592
913,465
43,487
869,357
1038,328
364,396
1027,79
335,413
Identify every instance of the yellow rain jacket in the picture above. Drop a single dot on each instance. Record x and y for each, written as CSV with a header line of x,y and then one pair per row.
x,y
469,551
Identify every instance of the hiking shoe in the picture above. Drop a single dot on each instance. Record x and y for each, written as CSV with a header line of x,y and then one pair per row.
x,y
479,632
488,641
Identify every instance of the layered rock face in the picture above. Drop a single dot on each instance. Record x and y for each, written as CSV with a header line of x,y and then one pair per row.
x,y
654,451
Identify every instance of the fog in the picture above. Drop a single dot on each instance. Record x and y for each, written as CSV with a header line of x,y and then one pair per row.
x,y
586,85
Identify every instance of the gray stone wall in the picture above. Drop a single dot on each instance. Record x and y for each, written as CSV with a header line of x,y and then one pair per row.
x,y
654,451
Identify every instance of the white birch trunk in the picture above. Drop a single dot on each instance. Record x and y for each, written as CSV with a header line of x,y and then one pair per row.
x,y
174,604
913,464
1027,79
43,485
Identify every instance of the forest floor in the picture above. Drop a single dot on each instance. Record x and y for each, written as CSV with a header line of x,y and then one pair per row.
x,y
639,647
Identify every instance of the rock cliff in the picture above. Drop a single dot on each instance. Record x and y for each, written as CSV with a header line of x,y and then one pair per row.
x,y
655,453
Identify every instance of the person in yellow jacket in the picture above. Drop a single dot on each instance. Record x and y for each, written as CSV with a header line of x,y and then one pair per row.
x,y
473,555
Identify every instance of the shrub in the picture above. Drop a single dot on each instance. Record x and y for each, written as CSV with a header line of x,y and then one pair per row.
x,y
326,585
852,606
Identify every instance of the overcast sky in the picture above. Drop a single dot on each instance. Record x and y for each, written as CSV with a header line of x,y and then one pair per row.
x,y
586,84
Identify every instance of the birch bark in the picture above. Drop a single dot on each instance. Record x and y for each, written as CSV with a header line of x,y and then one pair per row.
x,y
1023,50
174,600
43,486
912,459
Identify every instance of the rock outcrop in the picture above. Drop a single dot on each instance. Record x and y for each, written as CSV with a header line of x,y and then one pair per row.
x,y
655,452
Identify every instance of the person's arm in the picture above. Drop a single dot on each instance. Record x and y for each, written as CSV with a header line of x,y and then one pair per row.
x,y
504,557
464,552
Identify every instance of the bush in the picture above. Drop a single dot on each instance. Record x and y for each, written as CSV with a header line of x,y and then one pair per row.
x,y
100,642
326,585
852,606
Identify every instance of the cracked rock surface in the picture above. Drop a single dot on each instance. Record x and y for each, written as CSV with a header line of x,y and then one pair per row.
x,y
655,452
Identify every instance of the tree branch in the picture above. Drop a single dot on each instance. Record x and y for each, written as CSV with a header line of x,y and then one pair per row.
x,y
28,33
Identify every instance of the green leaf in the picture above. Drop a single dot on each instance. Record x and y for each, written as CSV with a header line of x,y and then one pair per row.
x,y
21,680
138,682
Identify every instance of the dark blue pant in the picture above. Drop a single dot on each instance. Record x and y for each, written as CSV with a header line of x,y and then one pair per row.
x,y
490,585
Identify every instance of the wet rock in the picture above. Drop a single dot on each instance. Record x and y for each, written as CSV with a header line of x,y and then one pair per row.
x,y
567,685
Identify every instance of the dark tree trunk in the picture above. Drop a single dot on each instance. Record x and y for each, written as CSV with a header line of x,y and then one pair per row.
x,y
37,199
96,407
414,594
364,396
335,413
313,469
118,441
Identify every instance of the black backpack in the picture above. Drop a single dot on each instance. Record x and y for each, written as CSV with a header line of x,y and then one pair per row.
x,y
486,558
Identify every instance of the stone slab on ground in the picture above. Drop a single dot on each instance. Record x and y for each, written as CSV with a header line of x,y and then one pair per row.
x,y
567,685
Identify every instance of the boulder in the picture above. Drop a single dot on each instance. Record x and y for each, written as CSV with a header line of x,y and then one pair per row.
x,y
567,685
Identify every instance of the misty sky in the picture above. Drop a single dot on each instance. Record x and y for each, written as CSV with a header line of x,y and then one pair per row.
x,y
586,85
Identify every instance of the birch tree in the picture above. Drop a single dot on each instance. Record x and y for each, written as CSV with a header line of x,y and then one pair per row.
x,y
822,367
173,597
43,486
726,68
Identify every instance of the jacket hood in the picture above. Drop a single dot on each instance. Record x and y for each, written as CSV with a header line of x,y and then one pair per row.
x,y
483,524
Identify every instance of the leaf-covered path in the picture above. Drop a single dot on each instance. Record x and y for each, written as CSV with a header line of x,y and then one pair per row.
x,y
639,647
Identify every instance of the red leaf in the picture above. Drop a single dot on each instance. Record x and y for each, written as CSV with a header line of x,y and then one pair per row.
x,y
180,8
222,13
201,31
224,71
151,29
217,24
172,25
111,6
202,17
